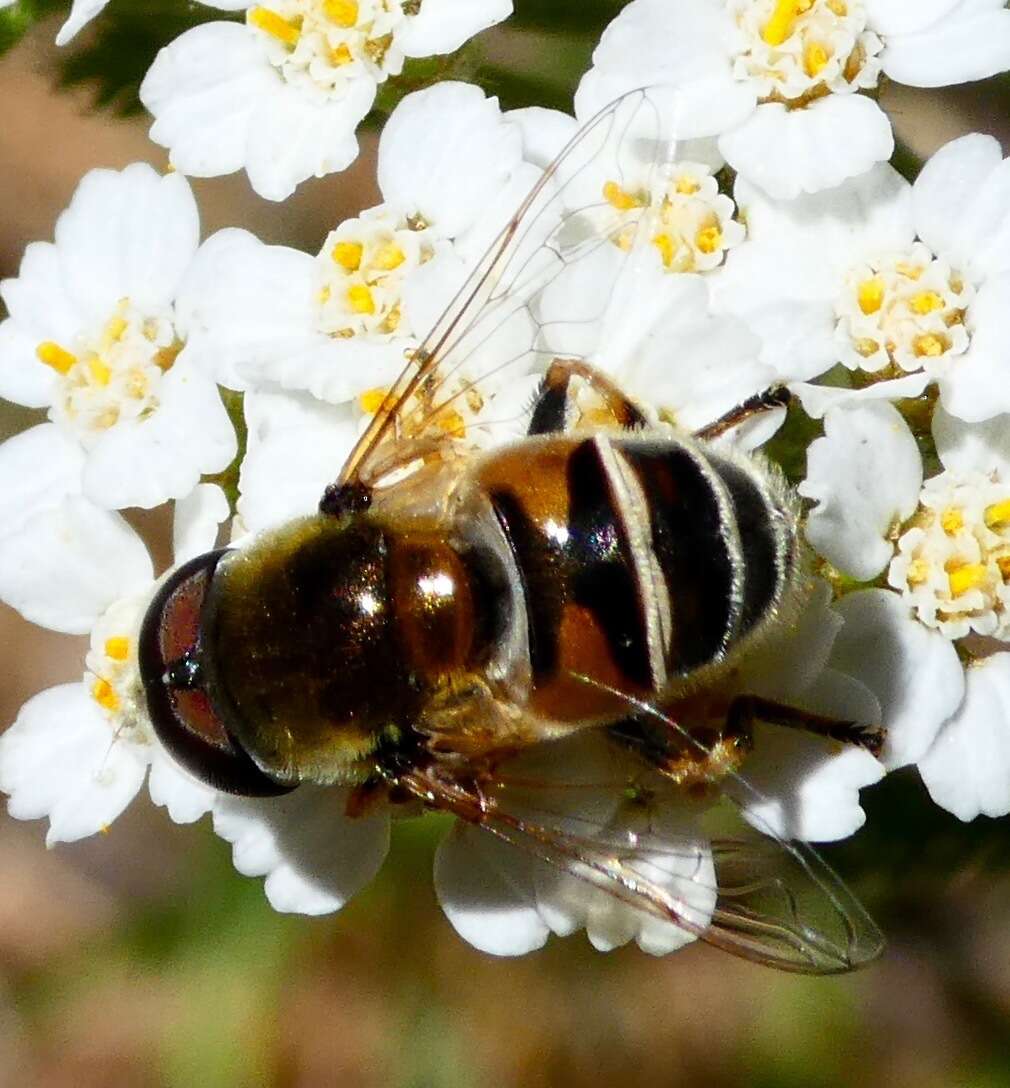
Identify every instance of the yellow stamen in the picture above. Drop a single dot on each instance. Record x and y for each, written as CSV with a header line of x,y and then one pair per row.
x,y
952,520
53,355
324,294
340,56
867,347
388,257
667,248
837,7
870,295
100,373
625,239
105,695
620,198
925,302
118,648
114,330
348,255
998,514
909,271
284,30
783,20
342,12
708,239
360,299
815,58
918,572
372,400
929,345
966,577
391,322
687,185
452,424
1003,562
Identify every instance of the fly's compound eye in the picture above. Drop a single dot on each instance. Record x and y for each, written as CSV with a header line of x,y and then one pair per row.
x,y
182,711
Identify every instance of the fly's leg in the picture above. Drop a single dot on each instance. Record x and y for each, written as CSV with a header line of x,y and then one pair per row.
x,y
551,410
776,397
745,710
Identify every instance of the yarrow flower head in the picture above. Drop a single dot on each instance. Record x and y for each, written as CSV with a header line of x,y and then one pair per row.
x,y
282,95
782,83
343,324
94,737
888,278
943,547
95,336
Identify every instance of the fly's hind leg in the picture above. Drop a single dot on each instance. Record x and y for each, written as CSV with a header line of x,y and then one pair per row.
x,y
745,710
552,409
776,397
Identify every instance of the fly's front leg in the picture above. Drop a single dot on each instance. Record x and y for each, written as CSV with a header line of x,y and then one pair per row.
x,y
552,409
747,709
776,397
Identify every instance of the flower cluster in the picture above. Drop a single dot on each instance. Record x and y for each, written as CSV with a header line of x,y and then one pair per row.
x,y
773,246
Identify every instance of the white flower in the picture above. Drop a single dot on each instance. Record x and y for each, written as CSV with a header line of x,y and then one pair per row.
x,y
967,770
343,324
945,545
282,95
79,753
92,336
782,82
887,278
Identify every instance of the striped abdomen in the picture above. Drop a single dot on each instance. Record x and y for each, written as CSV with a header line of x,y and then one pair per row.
x,y
642,560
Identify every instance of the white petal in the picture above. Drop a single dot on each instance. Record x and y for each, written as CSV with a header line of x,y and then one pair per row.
x,y
148,461
945,192
686,50
786,665
865,475
198,516
82,12
296,448
818,237
544,132
967,771
294,137
38,469
900,17
61,759
806,788
818,399
127,234
451,180
247,303
973,447
67,565
977,385
204,90
23,379
972,42
313,855
486,889
442,26
788,152
914,672
173,789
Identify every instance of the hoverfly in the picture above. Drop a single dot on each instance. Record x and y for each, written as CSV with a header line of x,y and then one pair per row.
x,y
447,612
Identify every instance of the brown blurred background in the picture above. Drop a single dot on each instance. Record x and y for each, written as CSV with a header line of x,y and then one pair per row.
x,y
140,958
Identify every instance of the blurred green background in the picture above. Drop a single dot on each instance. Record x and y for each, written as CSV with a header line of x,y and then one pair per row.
x,y
141,958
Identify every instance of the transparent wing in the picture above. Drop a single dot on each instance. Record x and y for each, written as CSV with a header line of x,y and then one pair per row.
x,y
621,833
567,248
